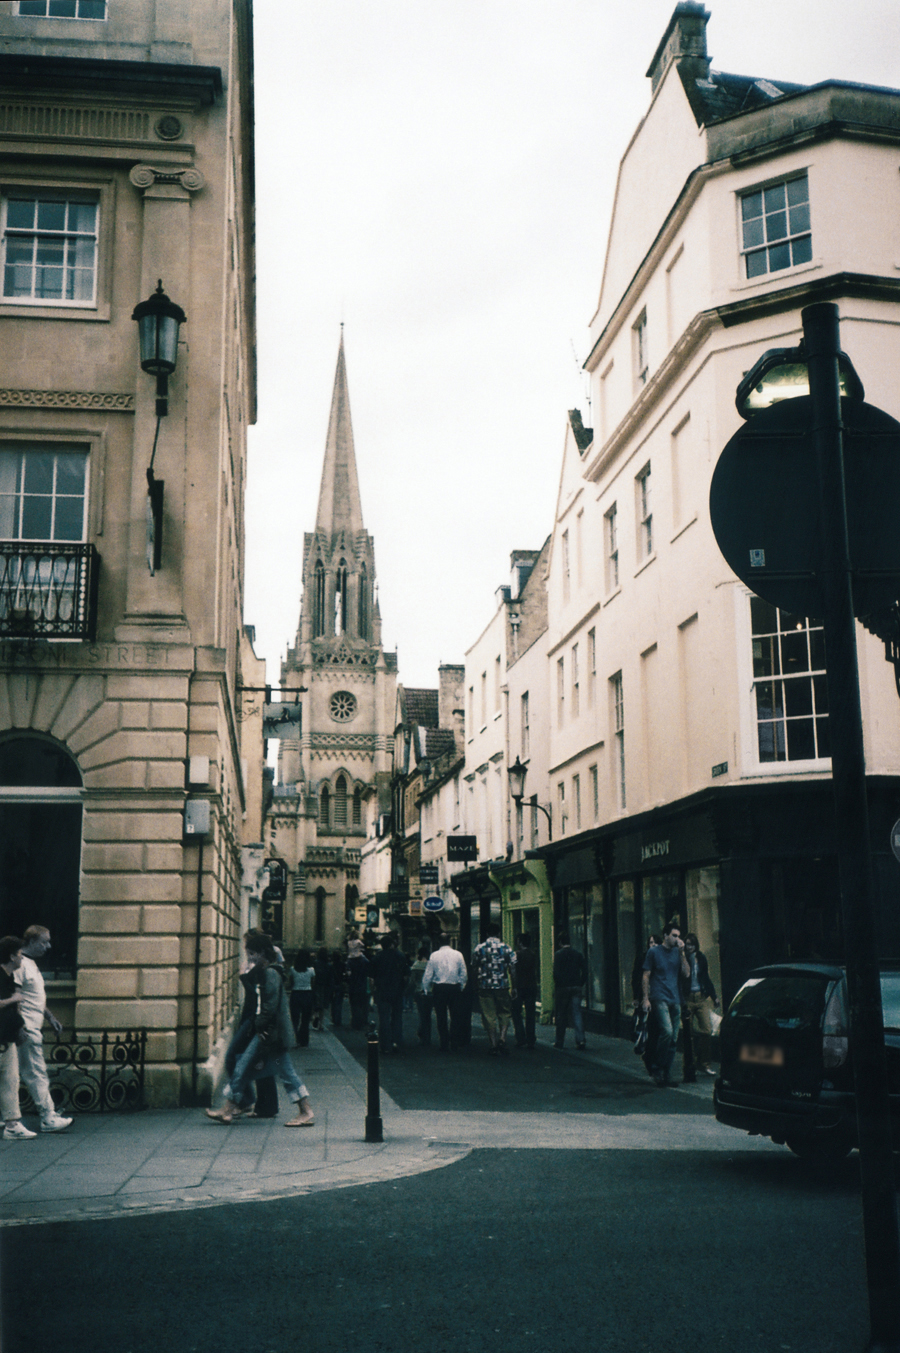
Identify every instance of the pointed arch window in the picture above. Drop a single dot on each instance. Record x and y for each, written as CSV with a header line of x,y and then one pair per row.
x,y
319,600
324,807
340,598
340,802
357,807
362,617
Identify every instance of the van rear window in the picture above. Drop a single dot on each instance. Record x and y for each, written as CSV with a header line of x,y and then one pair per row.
x,y
786,1001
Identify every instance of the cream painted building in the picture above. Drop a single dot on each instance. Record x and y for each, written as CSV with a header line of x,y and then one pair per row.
x,y
346,687
689,755
128,777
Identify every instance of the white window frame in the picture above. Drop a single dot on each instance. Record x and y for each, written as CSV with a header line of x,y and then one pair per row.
x,y
576,801
566,567
100,189
576,684
641,358
611,546
757,243
592,667
525,726
560,691
644,503
617,709
22,447
594,773
35,234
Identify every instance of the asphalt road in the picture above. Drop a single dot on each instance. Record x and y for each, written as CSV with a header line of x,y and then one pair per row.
x,y
505,1251
524,1081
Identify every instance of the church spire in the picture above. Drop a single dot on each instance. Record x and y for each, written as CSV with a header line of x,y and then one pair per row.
x,y
339,503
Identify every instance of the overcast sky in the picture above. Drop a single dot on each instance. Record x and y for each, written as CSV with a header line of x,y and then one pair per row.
x,y
438,175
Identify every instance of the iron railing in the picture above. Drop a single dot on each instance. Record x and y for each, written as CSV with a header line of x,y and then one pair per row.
x,y
102,1074
48,591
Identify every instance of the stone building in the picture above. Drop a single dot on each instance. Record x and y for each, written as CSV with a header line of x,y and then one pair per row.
x,y
126,157
346,687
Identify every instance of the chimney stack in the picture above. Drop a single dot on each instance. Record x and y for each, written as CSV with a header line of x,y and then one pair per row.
x,y
684,42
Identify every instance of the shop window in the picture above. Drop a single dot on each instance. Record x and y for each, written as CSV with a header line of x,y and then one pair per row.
x,y
40,845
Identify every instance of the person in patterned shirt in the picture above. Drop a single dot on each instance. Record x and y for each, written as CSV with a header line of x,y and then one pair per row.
x,y
495,962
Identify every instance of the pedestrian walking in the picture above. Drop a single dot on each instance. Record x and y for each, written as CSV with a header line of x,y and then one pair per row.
x,y
303,976
661,994
337,989
445,979
321,988
268,1052
698,999
260,1098
424,1002
358,989
525,992
12,1026
33,1009
390,975
494,962
569,977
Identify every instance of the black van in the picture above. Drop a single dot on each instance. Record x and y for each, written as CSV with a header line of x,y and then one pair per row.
x,y
786,1071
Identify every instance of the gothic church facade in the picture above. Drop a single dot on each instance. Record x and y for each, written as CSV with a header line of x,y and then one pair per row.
x,y
346,686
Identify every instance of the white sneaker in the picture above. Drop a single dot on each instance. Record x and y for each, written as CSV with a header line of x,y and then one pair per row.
x,y
16,1131
55,1123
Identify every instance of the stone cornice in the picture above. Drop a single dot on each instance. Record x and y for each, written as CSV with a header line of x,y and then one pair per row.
x,y
156,80
109,402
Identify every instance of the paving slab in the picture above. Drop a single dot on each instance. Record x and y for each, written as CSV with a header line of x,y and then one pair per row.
x,y
169,1160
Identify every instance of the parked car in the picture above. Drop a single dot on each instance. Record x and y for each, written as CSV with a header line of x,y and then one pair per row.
x,y
786,1069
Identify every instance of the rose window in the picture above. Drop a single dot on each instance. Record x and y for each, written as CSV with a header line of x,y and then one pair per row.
x,y
343,706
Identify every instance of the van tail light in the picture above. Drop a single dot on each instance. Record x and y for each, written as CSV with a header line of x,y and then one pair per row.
x,y
835,1029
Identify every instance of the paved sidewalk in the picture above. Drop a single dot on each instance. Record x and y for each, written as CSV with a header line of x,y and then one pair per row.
x,y
166,1160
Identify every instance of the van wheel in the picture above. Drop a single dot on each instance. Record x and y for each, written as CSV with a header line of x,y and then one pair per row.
x,y
821,1146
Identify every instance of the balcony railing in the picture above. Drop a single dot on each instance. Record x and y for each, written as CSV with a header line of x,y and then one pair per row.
x,y
48,591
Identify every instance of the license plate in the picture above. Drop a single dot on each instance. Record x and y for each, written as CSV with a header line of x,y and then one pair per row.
x,y
762,1053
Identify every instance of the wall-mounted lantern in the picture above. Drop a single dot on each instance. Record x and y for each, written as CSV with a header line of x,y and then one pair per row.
x,y
158,321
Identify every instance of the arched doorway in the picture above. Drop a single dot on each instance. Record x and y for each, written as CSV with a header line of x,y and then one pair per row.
x,y
40,844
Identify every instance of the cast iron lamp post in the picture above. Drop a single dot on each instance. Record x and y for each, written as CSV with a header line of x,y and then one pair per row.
x,y
517,772
836,576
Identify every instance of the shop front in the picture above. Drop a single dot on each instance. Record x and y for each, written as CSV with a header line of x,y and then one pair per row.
x,y
750,870
526,908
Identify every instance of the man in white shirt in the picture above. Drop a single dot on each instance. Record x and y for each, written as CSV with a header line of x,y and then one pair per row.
x,y
33,1009
445,977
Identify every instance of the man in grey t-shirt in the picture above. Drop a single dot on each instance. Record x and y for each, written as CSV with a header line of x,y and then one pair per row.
x,y
662,967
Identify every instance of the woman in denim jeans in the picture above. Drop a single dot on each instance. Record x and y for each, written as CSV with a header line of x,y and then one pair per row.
x,y
268,1052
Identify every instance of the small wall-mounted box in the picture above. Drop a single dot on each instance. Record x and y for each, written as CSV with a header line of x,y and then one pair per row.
x,y
198,770
196,817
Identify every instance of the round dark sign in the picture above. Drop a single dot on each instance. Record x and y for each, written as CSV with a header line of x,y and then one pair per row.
x,y
764,506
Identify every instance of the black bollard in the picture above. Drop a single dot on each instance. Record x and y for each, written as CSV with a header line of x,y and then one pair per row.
x,y
373,1097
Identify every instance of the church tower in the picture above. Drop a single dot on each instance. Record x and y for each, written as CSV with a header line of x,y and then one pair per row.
x,y
346,686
